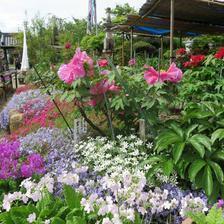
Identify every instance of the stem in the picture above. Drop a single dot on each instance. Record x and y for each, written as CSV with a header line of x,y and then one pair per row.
x,y
90,122
109,117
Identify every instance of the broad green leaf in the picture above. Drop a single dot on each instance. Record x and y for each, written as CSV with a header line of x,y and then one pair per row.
x,y
177,130
218,155
190,129
165,139
207,180
6,218
167,167
57,220
177,151
195,167
218,134
72,197
203,140
218,171
198,146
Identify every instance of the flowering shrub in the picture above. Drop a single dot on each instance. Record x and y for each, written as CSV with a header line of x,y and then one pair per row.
x,y
220,53
195,60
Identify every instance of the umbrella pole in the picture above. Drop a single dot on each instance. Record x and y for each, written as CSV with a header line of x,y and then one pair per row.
x,y
171,29
122,49
131,53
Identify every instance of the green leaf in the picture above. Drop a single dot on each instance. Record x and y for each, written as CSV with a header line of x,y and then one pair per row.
x,y
198,146
72,198
218,155
167,167
207,180
177,130
165,139
204,140
57,220
6,218
218,171
218,134
215,216
195,167
190,129
177,151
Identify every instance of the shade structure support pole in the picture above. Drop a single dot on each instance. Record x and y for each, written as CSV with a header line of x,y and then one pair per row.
x,y
122,50
161,51
171,29
181,40
131,51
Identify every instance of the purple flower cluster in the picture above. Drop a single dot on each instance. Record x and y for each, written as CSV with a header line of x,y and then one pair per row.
x,y
12,164
18,101
33,164
9,155
53,144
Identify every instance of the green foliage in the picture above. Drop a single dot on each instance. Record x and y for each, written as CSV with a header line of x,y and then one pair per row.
x,y
194,146
204,83
215,216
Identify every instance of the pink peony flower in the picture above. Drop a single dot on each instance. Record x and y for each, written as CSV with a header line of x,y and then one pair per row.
x,y
173,74
103,86
132,62
105,72
151,76
103,62
80,66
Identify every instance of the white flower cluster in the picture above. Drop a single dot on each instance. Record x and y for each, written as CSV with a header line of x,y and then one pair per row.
x,y
68,178
127,194
102,155
35,191
160,202
192,204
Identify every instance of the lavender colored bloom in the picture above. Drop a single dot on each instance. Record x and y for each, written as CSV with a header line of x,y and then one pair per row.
x,y
220,203
33,165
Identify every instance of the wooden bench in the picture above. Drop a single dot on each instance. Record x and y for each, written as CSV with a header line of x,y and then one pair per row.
x,y
6,81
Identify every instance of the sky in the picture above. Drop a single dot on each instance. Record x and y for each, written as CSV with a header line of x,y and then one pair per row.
x,y
12,12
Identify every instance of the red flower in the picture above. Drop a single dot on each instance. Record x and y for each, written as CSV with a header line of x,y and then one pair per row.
x,y
195,61
220,53
68,45
181,51
103,62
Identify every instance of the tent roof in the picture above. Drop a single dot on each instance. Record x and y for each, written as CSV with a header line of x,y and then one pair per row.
x,y
199,11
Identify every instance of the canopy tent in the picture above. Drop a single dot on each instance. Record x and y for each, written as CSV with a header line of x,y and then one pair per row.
x,y
200,11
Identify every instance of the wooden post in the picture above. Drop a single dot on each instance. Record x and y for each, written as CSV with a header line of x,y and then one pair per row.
x,y
171,29
142,129
122,53
131,53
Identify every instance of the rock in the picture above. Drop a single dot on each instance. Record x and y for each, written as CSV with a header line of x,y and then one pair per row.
x,y
15,120
187,221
